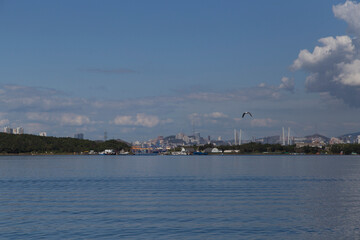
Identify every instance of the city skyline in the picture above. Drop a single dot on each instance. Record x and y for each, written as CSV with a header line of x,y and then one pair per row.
x,y
142,69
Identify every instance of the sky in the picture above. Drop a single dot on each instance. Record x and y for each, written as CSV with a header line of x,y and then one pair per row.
x,y
142,69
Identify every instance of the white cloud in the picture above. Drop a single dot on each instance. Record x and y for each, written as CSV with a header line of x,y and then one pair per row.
x,y
350,73
74,119
141,119
333,67
334,50
287,84
146,120
350,12
216,115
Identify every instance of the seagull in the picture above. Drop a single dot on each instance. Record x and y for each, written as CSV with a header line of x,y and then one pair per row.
x,y
246,113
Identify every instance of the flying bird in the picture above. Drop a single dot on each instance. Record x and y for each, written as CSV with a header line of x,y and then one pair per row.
x,y
246,113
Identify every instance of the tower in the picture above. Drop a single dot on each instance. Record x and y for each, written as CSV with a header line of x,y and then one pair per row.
x,y
240,132
235,136
283,136
288,140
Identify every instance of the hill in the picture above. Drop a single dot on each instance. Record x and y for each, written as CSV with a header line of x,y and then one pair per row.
x,y
318,136
350,137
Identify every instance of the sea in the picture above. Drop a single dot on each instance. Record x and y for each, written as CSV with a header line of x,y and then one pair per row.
x,y
180,197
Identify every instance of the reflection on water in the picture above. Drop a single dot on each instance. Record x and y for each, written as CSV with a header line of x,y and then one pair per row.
x,y
180,197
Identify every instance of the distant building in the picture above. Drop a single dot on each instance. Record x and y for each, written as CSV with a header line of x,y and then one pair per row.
x,y
79,135
197,136
18,130
43,134
180,136
8,130
334,140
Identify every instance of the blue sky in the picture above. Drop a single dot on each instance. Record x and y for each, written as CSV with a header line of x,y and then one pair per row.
x,y
139,69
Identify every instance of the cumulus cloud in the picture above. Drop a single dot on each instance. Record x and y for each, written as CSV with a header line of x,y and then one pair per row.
x,y
141,119
333,67
146,120
349,73
350,12
334,50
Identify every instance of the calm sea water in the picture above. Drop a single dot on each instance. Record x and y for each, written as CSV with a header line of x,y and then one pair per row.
x,y
180,197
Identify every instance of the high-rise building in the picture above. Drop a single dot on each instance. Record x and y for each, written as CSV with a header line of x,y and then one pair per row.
x,y
180,136
18,130
79,136
197,136
43,134
8,130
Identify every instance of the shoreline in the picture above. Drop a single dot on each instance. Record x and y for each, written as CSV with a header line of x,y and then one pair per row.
x,y
227,154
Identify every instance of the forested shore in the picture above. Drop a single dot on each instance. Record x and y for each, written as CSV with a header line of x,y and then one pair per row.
x,y
32,144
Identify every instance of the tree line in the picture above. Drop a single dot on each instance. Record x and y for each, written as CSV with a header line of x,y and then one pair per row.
x,y
278,148
25,143
253,148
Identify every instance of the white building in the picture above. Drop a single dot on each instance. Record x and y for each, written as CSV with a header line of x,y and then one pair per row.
x,y
216,150
335,140
43,134
180,136
18,130
8,130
